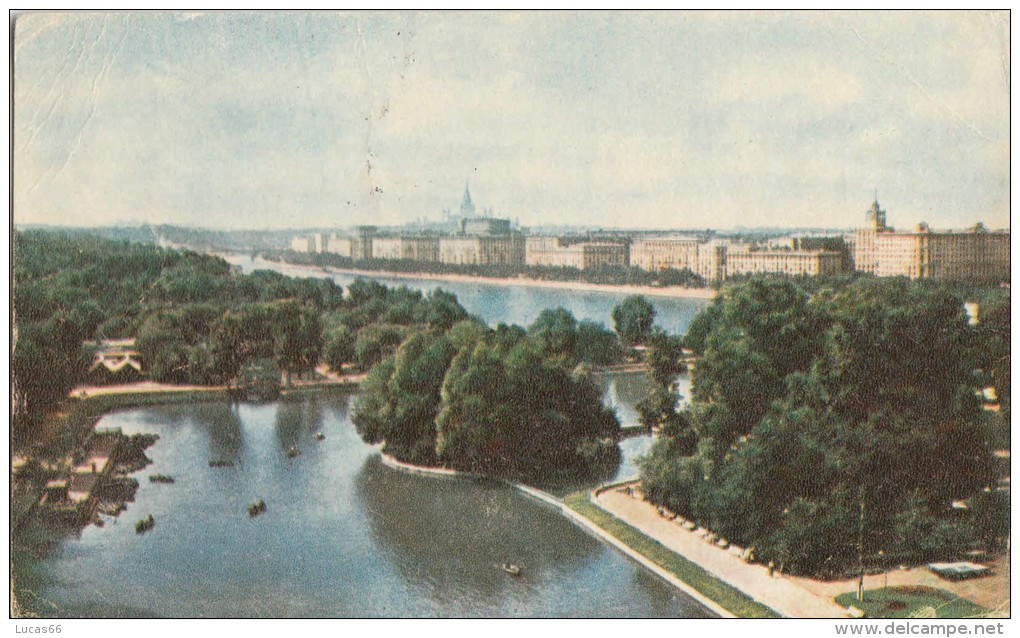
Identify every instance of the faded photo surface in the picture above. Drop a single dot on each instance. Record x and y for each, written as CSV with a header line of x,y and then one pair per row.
x,y
419,314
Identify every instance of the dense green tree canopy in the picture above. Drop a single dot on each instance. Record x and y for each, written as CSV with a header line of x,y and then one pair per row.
x,y
633,318
805,407
194,318
497,401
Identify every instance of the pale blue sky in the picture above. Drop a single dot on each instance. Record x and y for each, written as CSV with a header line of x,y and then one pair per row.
x,y
616,119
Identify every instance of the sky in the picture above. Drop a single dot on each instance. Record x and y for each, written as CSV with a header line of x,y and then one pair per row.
x,y
611,119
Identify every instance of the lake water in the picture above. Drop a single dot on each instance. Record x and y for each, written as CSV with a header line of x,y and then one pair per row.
x,y
344,535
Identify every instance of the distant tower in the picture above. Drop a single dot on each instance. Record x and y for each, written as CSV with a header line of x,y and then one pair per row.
x,y
876,216
467,208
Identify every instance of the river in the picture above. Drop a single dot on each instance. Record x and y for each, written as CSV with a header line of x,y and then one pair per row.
x,y
343,534
517,304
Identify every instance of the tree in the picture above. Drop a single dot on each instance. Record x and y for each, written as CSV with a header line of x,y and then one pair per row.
x,y
993,345
297,337
665,358
597,345
363,290
46,363
554,333
633,318
699,329
375,342
520,415
339,348
163,349
440,310
400,402
809,410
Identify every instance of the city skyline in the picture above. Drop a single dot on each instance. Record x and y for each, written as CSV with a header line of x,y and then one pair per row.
x,y
637,120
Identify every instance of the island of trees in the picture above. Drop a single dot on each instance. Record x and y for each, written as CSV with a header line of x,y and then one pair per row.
x,y
841,427
499,401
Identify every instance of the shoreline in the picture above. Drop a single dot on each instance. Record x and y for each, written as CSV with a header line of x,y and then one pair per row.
x,y
782,593
674,292
153,389
574,517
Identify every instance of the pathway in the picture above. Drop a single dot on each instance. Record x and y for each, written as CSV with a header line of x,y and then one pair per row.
x,y
795,596
781,593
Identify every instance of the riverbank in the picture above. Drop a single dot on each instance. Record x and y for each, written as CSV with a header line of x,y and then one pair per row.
x,y
733,604
148,392
521,281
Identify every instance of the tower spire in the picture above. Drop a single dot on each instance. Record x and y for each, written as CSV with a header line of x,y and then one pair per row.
x,y
876,216
467,207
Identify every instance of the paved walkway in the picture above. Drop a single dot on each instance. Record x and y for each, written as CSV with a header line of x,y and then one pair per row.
x,y
780,593
332,376
141,387
794,596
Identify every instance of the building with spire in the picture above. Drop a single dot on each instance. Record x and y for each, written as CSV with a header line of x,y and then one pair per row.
x,y
467,207
974,253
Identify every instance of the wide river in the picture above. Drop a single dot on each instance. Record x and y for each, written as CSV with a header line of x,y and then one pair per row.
x,y
497,303
343,534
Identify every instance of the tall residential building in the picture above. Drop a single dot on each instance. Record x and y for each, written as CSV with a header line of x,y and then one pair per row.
x,y
583,255
925,253
387,247
425,249
661,253
301,244
711,264
865,239
459,250
361,245
482,250
787,262
339,245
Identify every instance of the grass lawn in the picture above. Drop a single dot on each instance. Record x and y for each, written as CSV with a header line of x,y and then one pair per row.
x,y
911,602
730,598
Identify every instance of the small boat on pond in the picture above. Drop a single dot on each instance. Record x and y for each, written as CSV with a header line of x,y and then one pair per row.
x,y
292,452
257,508
319,436
511,569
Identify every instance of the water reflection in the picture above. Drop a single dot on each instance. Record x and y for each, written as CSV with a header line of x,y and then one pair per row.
x,y
223,425
343,535
622,391
472,528
298,418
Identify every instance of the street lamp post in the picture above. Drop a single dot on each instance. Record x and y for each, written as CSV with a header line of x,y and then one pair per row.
x,y
885,569
860,550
